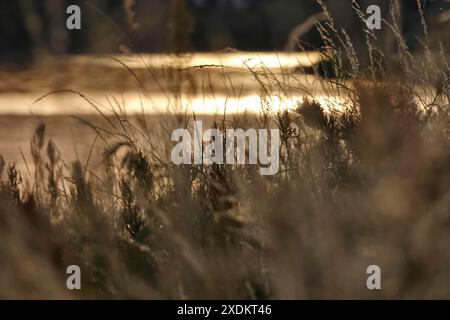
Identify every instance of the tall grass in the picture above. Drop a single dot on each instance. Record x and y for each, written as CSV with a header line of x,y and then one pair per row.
x,y
365,184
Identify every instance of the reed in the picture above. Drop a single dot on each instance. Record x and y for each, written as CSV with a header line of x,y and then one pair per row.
x,y
361,185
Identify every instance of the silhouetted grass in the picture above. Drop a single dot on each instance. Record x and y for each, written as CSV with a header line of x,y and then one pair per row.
x,y
365,184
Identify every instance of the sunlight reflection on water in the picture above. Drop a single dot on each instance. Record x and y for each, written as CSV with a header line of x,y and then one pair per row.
x,y
215,83
238,60
236,68
134,103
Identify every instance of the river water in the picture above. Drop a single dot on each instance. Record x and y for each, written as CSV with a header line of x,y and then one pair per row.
x,y
202,83
52,90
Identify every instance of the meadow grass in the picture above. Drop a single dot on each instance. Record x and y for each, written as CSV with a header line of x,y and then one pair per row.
x,y
365,184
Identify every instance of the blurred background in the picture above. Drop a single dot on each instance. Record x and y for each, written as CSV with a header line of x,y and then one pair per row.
x,y
29,28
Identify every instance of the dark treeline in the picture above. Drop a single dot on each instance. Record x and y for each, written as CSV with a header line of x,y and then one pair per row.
x,y
31,27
